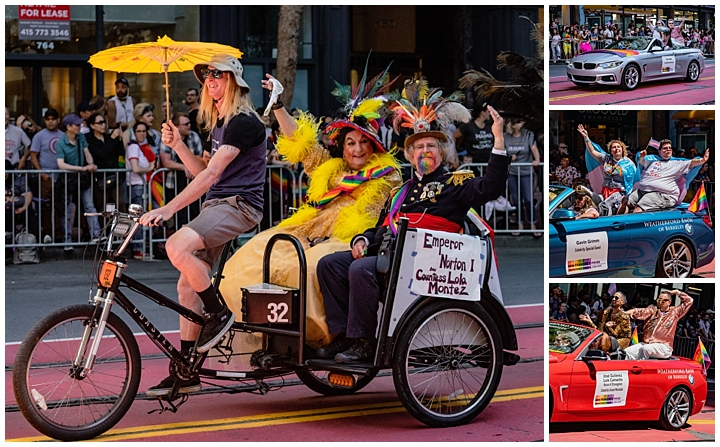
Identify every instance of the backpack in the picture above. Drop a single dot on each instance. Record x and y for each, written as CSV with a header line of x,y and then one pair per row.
x,y
25,255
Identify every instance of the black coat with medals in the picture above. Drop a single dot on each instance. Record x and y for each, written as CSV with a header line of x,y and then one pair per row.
x,y
445,194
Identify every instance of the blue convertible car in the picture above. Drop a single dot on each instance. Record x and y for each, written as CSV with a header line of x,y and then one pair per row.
x,y
668,243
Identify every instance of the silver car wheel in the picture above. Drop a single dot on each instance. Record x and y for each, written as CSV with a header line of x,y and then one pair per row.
x,y
631,77
677,408
677,260
693,72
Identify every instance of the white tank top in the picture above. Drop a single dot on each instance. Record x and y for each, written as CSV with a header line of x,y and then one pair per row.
x,y
123,109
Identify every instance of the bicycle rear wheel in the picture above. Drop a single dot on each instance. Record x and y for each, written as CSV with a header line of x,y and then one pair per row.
x,y
51,391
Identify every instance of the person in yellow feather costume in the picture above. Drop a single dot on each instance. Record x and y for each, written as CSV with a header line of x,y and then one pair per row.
x,y
349,185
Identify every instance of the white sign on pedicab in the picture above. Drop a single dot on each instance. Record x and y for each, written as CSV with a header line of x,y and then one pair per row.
x,y
447,265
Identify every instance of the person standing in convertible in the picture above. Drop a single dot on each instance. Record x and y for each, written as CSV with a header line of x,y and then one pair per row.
x,y
232,176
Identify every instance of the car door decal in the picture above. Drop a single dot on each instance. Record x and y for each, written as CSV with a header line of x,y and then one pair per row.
x,y
668,64
611,389
586,252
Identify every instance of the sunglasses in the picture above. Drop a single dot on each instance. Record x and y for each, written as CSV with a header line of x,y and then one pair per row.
x,y
99,122
217,74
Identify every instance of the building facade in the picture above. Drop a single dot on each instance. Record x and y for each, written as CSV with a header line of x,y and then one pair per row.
x,y
439,42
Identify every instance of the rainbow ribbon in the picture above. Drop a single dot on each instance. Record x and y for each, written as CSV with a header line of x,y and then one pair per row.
x,y
350,182
395,203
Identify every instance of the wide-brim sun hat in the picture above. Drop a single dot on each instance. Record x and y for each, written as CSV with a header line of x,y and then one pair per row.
x,y
333,131
223,62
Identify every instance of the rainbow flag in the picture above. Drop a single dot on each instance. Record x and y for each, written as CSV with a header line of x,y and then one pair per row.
x,y
701,355
699,201
634,338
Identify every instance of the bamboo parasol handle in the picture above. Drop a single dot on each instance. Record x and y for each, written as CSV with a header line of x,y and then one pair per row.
x,y
167,95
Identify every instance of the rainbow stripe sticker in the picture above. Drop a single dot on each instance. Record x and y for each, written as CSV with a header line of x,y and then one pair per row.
x,y
620,53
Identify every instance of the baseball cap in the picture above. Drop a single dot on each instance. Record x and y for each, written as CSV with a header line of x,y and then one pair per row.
x,y
123,80
224,62
51,113
71,119
85,107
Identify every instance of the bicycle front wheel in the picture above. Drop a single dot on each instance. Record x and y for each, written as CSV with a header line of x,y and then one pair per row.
x,y
55,395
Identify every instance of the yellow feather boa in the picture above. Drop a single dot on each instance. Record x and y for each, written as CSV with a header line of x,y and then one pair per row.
x,y
297,147
355,218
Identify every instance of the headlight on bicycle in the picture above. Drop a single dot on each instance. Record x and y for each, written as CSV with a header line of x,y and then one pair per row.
x,y
122,227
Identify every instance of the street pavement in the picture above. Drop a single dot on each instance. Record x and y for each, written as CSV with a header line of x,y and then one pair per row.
x,y
294,413
675,92
700,427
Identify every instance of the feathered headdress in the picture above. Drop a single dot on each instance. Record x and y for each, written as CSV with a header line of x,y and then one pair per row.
x,y
521,99
361,106
425,112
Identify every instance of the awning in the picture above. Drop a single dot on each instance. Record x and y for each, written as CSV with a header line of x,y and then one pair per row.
x,y
695,115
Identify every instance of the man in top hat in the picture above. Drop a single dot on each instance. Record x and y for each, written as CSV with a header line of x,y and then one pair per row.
x,y
120,107
232,177
433,198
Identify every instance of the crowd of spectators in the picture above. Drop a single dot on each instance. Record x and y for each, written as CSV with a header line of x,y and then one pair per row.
x,y
113,150
588,308
570,40
110,149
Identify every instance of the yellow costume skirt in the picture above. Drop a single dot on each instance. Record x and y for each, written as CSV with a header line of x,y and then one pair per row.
x,y
244,268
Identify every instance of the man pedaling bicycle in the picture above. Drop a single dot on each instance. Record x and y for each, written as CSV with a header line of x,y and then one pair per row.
x,y
232,177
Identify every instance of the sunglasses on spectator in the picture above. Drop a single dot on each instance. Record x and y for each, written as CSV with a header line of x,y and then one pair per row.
x,y
217,74
99,122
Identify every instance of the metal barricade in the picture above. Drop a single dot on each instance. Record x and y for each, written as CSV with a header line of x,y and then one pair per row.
x,y
284,192
55,194
503,213
686,347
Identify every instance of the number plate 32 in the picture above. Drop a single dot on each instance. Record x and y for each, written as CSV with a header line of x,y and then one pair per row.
x,y
266,303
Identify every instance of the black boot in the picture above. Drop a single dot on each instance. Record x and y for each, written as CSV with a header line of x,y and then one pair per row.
x,y
339,344
362,350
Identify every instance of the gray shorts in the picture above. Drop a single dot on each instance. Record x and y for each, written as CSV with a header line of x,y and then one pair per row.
x,y
651,200
222,220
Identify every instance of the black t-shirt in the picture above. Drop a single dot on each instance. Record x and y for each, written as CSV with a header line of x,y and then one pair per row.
x,y
477,141
192,116
245,175
105,154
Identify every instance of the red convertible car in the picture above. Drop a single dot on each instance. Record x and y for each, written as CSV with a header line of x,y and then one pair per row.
x,y
589,384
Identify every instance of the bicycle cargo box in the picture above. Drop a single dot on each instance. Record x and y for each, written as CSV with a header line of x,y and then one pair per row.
x,y
270,303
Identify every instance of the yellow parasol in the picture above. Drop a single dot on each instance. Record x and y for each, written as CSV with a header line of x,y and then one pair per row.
x,y
162,56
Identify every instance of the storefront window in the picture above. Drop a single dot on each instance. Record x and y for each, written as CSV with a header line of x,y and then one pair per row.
x,y
18,90
133,24
262,26
62,88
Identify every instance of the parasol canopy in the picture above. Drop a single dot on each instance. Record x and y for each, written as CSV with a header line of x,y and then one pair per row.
x,y
163,56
